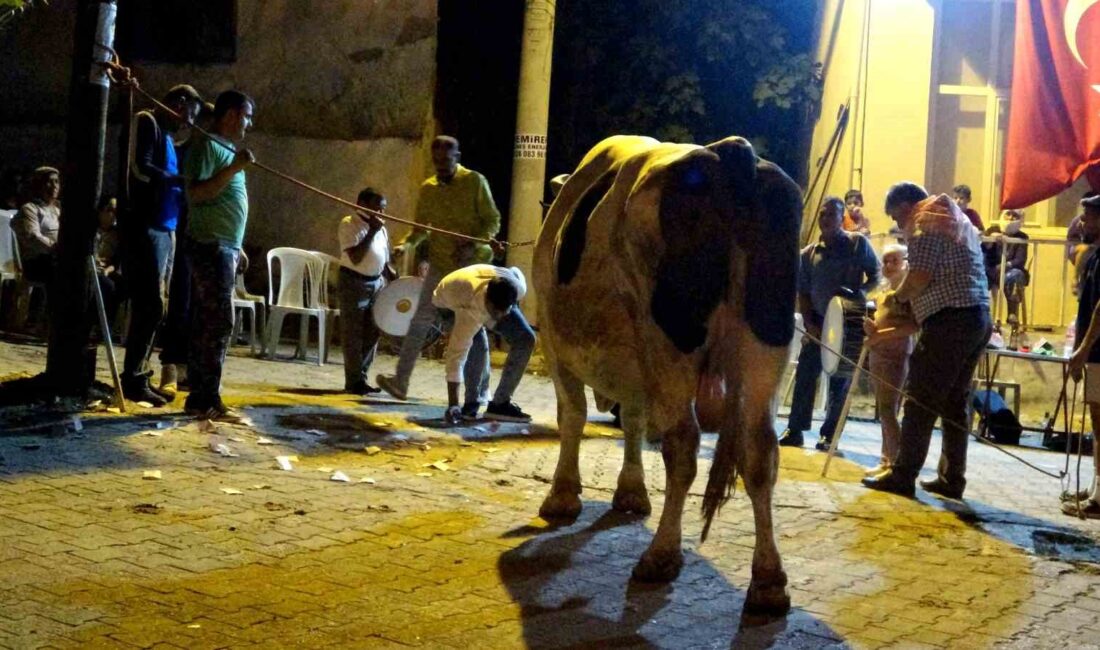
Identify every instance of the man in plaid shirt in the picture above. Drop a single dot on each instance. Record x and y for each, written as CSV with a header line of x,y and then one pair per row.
x,y
949,295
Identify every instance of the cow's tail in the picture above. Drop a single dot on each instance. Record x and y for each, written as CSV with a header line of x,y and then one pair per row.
x,y
723,471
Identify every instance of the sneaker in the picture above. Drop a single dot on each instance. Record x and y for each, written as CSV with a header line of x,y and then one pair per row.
x,y
823,444
388,383
469,410
507,412
139,390
942,488
1089,509
361,388
791,438
168,384
222,413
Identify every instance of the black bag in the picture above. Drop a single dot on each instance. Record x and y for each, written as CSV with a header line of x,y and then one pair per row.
x,y
999,422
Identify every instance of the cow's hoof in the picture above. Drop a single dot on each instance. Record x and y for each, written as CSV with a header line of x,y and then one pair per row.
x,y
765,604
631,502
560,505
658,566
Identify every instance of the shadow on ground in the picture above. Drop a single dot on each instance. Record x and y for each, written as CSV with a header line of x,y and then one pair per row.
x,y
572,585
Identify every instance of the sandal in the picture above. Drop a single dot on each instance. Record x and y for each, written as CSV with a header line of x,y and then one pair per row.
x,y
1072,497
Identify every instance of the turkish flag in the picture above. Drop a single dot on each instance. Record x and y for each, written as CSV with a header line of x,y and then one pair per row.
x,y
1054,119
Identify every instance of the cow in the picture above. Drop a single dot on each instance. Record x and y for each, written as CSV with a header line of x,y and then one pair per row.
x,y
665,276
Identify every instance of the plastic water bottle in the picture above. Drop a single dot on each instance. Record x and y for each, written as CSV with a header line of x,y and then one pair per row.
x,y
1071,340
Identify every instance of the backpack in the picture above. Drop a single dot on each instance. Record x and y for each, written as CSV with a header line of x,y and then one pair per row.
x,y
1000,424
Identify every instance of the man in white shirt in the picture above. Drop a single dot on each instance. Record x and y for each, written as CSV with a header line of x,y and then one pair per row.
x,y
484,296
364,252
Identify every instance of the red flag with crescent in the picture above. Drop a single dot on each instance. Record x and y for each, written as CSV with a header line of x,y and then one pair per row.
x,y
1054,118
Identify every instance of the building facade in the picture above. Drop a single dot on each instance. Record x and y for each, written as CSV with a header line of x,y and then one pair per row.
x,y
928,86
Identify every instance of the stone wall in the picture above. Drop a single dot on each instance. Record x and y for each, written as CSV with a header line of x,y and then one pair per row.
x,y
343,89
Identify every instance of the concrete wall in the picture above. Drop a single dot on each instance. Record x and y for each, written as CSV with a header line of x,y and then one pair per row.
x,y
344,92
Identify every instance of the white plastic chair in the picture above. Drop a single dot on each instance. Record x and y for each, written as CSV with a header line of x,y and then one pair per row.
x,y
7,248
11,270
329,265
253,305
299,271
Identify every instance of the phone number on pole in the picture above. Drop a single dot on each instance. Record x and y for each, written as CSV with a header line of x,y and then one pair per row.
x,y
530,145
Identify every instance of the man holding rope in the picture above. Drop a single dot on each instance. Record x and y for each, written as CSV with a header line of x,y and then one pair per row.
x,y
148,229
455,199
1087,502
218,214
949,295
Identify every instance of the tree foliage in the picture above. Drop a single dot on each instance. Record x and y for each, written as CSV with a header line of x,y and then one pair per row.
x,y
685,70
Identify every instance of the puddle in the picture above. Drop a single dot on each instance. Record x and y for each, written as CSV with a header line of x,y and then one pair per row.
x,y
340,427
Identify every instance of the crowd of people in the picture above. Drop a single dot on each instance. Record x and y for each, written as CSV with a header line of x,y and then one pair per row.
x,y
923,312
173,248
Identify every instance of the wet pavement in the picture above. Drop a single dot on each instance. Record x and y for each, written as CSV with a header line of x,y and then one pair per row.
x,y
434,540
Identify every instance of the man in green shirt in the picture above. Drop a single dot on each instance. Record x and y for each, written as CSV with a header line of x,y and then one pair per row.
x,y
218,199
455,199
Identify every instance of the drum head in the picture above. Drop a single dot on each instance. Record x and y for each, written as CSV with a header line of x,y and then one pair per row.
x,y
832,335
395,305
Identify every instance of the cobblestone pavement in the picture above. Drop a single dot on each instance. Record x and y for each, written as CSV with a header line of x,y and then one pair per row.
x,y
442,546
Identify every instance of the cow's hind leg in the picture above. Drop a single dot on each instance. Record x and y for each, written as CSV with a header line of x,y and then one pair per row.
x,y
662,561
758,464
630,493
564,500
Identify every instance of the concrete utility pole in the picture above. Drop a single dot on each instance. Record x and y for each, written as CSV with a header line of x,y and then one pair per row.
x,y
529,165
69,358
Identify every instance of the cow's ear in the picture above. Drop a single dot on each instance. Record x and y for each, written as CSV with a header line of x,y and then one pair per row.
x,y
693,271
737,159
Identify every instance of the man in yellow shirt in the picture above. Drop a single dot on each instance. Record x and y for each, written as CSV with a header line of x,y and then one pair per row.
x,y
455,199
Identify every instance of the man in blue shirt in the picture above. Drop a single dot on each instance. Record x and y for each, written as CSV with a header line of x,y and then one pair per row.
x,y
842,264
148,230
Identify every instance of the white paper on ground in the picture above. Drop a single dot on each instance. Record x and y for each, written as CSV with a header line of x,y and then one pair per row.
x,y
284,462
145,405
264,441
232,491
340,476
367,480
316,432
151,475
372,450
77,424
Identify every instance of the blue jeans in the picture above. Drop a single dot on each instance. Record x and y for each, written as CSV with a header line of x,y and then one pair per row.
x,y
519,336
805,387
146,264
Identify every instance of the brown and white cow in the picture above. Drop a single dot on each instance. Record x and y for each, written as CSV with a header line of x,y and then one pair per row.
x,y
662,271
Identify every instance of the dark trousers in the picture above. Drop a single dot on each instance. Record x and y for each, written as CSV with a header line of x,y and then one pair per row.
x,y
39,269
940,370
805,388
357,328
146,263
113,289
175,330
213,268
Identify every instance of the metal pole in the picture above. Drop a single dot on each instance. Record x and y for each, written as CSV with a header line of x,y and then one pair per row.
x,y
843,419
105,328
532,115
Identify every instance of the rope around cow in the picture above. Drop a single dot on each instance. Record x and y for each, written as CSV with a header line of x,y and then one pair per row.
x,y
122,76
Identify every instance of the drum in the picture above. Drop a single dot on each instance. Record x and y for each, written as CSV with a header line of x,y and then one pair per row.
x,y
842,331
395,305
